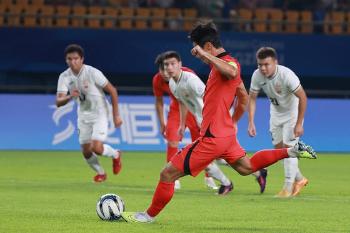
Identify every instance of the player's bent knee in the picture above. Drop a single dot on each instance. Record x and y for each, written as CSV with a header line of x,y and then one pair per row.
x,y
87,154
169,174
245,173
97,149
166,176
243,170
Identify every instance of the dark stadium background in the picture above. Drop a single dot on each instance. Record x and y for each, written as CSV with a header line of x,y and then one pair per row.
x,y
122,39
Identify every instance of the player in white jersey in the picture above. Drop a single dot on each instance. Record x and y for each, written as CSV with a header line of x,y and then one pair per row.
x,y
287,109
87,85
189,89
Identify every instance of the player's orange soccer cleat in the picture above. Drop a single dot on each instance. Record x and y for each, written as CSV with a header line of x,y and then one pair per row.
x,y
100,178
299,185
283,194
117,163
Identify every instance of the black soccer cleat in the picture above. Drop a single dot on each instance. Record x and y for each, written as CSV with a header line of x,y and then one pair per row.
x,y
262,180
223,190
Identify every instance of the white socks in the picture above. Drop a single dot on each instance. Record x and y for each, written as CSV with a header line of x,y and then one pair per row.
x,y
299,176
215,172
108,151
290,172
292,152
95,165
256,174
177,185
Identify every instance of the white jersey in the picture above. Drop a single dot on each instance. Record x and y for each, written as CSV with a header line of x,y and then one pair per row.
x,y
90,83
189,89
280,89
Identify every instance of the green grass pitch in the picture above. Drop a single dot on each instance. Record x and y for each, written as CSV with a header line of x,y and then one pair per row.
x,y
54,192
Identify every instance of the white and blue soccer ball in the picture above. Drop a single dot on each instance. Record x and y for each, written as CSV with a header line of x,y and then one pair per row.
x,y
110,207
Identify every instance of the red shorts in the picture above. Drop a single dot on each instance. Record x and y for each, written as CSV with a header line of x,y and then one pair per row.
x,y
195,157
173,124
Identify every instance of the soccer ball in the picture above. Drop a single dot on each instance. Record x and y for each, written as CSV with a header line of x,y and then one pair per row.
x,y
109,207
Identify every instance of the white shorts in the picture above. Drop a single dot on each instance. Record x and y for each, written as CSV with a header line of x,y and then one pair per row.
x,y
93,130
282,130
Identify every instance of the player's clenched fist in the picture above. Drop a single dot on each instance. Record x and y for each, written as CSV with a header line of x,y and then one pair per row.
x,y
75,93
251,130
198,52
117,121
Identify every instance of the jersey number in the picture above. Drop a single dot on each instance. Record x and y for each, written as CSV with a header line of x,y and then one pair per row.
x,y
274,101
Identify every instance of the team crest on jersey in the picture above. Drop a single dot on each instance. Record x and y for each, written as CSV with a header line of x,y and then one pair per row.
x,y
278,88
71,85
86,84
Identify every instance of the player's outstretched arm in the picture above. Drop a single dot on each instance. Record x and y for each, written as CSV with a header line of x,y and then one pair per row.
x,y
112,91
159,103
300,93
251,113
241,104
183,115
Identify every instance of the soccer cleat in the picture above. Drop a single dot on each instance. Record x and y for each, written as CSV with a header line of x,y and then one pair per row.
x,y
177,185
100,178
262,180
304,151
283,194
137,217
209,181
117,163
223,190
299,185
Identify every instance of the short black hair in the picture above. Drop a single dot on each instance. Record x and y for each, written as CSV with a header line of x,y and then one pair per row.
x,y
205,31
171,54
265,52
159,61
165,55
74,48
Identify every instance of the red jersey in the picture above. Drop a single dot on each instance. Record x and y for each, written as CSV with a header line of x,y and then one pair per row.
x,y
218,98
161,87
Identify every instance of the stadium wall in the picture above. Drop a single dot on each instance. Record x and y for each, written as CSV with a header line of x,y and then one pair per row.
x,y
132,52
32,122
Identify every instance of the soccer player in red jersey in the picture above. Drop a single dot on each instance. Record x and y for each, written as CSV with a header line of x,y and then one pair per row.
x,y
170,129
189,89
217,135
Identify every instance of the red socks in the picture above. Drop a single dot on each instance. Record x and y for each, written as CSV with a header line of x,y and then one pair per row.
x,y
265,158
164,191
163,194
170,152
